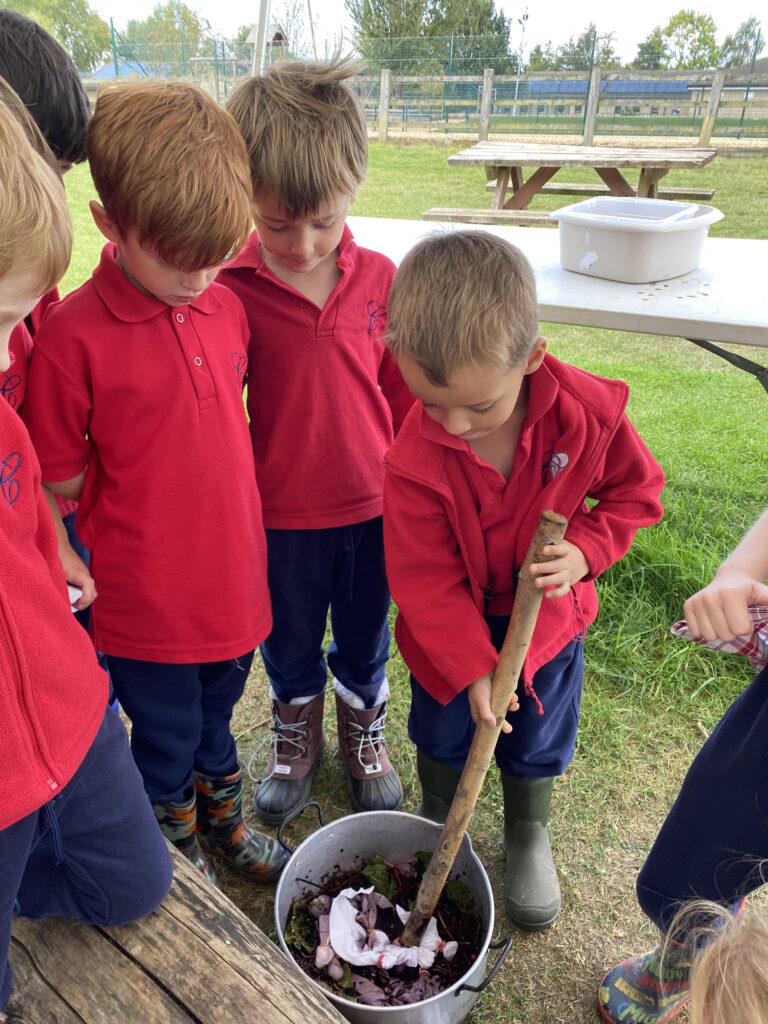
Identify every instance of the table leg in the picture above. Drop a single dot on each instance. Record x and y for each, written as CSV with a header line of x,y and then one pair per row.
x,y
502,179
615,181
648,186
525,191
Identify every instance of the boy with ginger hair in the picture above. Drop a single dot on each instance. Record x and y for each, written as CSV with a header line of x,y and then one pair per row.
x,y
136,411
501,431
77,836
324,399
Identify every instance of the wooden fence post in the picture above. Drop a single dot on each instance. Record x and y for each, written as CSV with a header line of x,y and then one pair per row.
x,y
593,101
384,104
708,124
485,104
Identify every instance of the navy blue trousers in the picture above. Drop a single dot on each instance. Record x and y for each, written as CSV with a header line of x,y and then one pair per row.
x,y
94,852
539,746
714,842
180,718
310,571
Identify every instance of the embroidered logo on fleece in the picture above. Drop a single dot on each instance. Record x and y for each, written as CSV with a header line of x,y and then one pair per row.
x,y
9,485
555,463
240,362
375,312
8,388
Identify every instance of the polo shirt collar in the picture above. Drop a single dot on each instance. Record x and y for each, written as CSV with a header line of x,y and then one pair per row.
x,y
129,303
542,391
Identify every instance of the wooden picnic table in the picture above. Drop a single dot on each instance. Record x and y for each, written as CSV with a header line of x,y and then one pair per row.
x,y
504,163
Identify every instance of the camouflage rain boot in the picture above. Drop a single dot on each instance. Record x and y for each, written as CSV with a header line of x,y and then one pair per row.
x,y
645,990
438,786
531,888
224,834
178,823
372,781
293,761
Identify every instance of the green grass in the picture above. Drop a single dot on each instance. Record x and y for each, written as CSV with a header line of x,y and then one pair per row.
x,y
648,698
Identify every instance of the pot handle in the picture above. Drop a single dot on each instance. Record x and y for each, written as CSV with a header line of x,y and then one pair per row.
x,y
295,814
507,944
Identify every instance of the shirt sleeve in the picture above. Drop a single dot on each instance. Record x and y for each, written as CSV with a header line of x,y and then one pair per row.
x,y
429,584
626,491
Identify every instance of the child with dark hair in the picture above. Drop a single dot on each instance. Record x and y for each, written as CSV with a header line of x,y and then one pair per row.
x,y
136,410
77,835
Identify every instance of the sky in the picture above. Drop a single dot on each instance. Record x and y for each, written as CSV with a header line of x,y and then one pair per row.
x,y
553,21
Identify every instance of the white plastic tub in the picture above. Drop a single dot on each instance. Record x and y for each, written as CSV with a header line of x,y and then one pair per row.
x,y
633,240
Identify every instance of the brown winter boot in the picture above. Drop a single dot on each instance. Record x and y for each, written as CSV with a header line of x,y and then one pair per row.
x,y
224,833
178,823
372,781
292,764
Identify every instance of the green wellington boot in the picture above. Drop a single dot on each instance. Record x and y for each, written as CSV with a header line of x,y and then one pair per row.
x,y
178,823
531,888
224,834
438,786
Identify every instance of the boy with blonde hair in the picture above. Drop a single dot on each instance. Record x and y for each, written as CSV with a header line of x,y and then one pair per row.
x,y
324,399
501,431
77,836
136,411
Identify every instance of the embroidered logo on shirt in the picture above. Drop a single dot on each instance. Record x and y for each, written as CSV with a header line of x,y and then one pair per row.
x,y
8,387
240,362
9,485
555,463
375,312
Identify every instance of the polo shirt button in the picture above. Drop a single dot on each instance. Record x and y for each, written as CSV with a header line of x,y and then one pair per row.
x,y
303,305
198,361
180,318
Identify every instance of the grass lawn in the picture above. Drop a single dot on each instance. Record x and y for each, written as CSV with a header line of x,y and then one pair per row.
x,y
649,699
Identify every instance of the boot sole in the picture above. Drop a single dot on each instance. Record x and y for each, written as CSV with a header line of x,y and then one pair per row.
x,y
272,818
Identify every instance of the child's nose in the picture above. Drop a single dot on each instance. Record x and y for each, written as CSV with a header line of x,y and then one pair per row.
x,y
455,421
194,280
301,243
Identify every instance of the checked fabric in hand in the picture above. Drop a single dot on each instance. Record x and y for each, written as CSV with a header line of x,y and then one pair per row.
x,y
753,645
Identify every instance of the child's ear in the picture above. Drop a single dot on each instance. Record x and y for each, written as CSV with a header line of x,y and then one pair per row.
x,y
536,358
104,222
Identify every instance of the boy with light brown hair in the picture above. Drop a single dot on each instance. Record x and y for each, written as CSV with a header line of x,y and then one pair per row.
x,y
136,411
501,431
325,399
77,836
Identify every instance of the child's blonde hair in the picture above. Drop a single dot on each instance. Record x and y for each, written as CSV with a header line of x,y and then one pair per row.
x,y
463,298
12,101
168,162
35,229
729,978
305,133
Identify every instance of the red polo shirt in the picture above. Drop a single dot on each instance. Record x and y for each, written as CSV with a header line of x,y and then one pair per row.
x,y
325,396
149,399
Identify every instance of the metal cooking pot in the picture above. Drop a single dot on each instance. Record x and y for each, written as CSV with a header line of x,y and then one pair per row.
x,y
396,837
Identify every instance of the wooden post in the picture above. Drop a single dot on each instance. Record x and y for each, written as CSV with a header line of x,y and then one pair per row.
x,y
384,104
593,101
485,104
708,124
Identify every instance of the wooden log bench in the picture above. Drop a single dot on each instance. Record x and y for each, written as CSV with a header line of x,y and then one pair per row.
x,y
471,216
196,960
571,188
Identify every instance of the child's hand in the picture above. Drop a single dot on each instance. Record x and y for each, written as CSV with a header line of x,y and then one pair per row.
x,y
479,695
719,611
568,566
76,573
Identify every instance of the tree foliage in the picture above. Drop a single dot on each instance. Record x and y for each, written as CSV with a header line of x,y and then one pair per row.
x,y
740,48
577,53
652,53
690,41
167,39
82,33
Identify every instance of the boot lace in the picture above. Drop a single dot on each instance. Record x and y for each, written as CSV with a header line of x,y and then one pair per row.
x,y
365,743
299,740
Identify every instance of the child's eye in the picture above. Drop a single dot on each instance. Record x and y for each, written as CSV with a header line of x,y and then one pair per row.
x,y
481,412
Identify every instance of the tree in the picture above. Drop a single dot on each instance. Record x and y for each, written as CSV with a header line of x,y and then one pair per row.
x,y
745,43
387,19
167,39
82,33
542,59
576,54
652,53
690,41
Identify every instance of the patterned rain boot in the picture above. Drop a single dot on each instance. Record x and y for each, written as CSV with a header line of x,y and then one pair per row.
x,y
438,786
652,987
224,834
293,761
531,888
643,990
178,823
372,781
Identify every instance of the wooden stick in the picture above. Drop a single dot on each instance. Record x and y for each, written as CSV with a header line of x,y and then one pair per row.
x,y
550,530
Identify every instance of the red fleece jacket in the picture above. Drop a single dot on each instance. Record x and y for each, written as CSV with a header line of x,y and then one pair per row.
x,y
575,443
